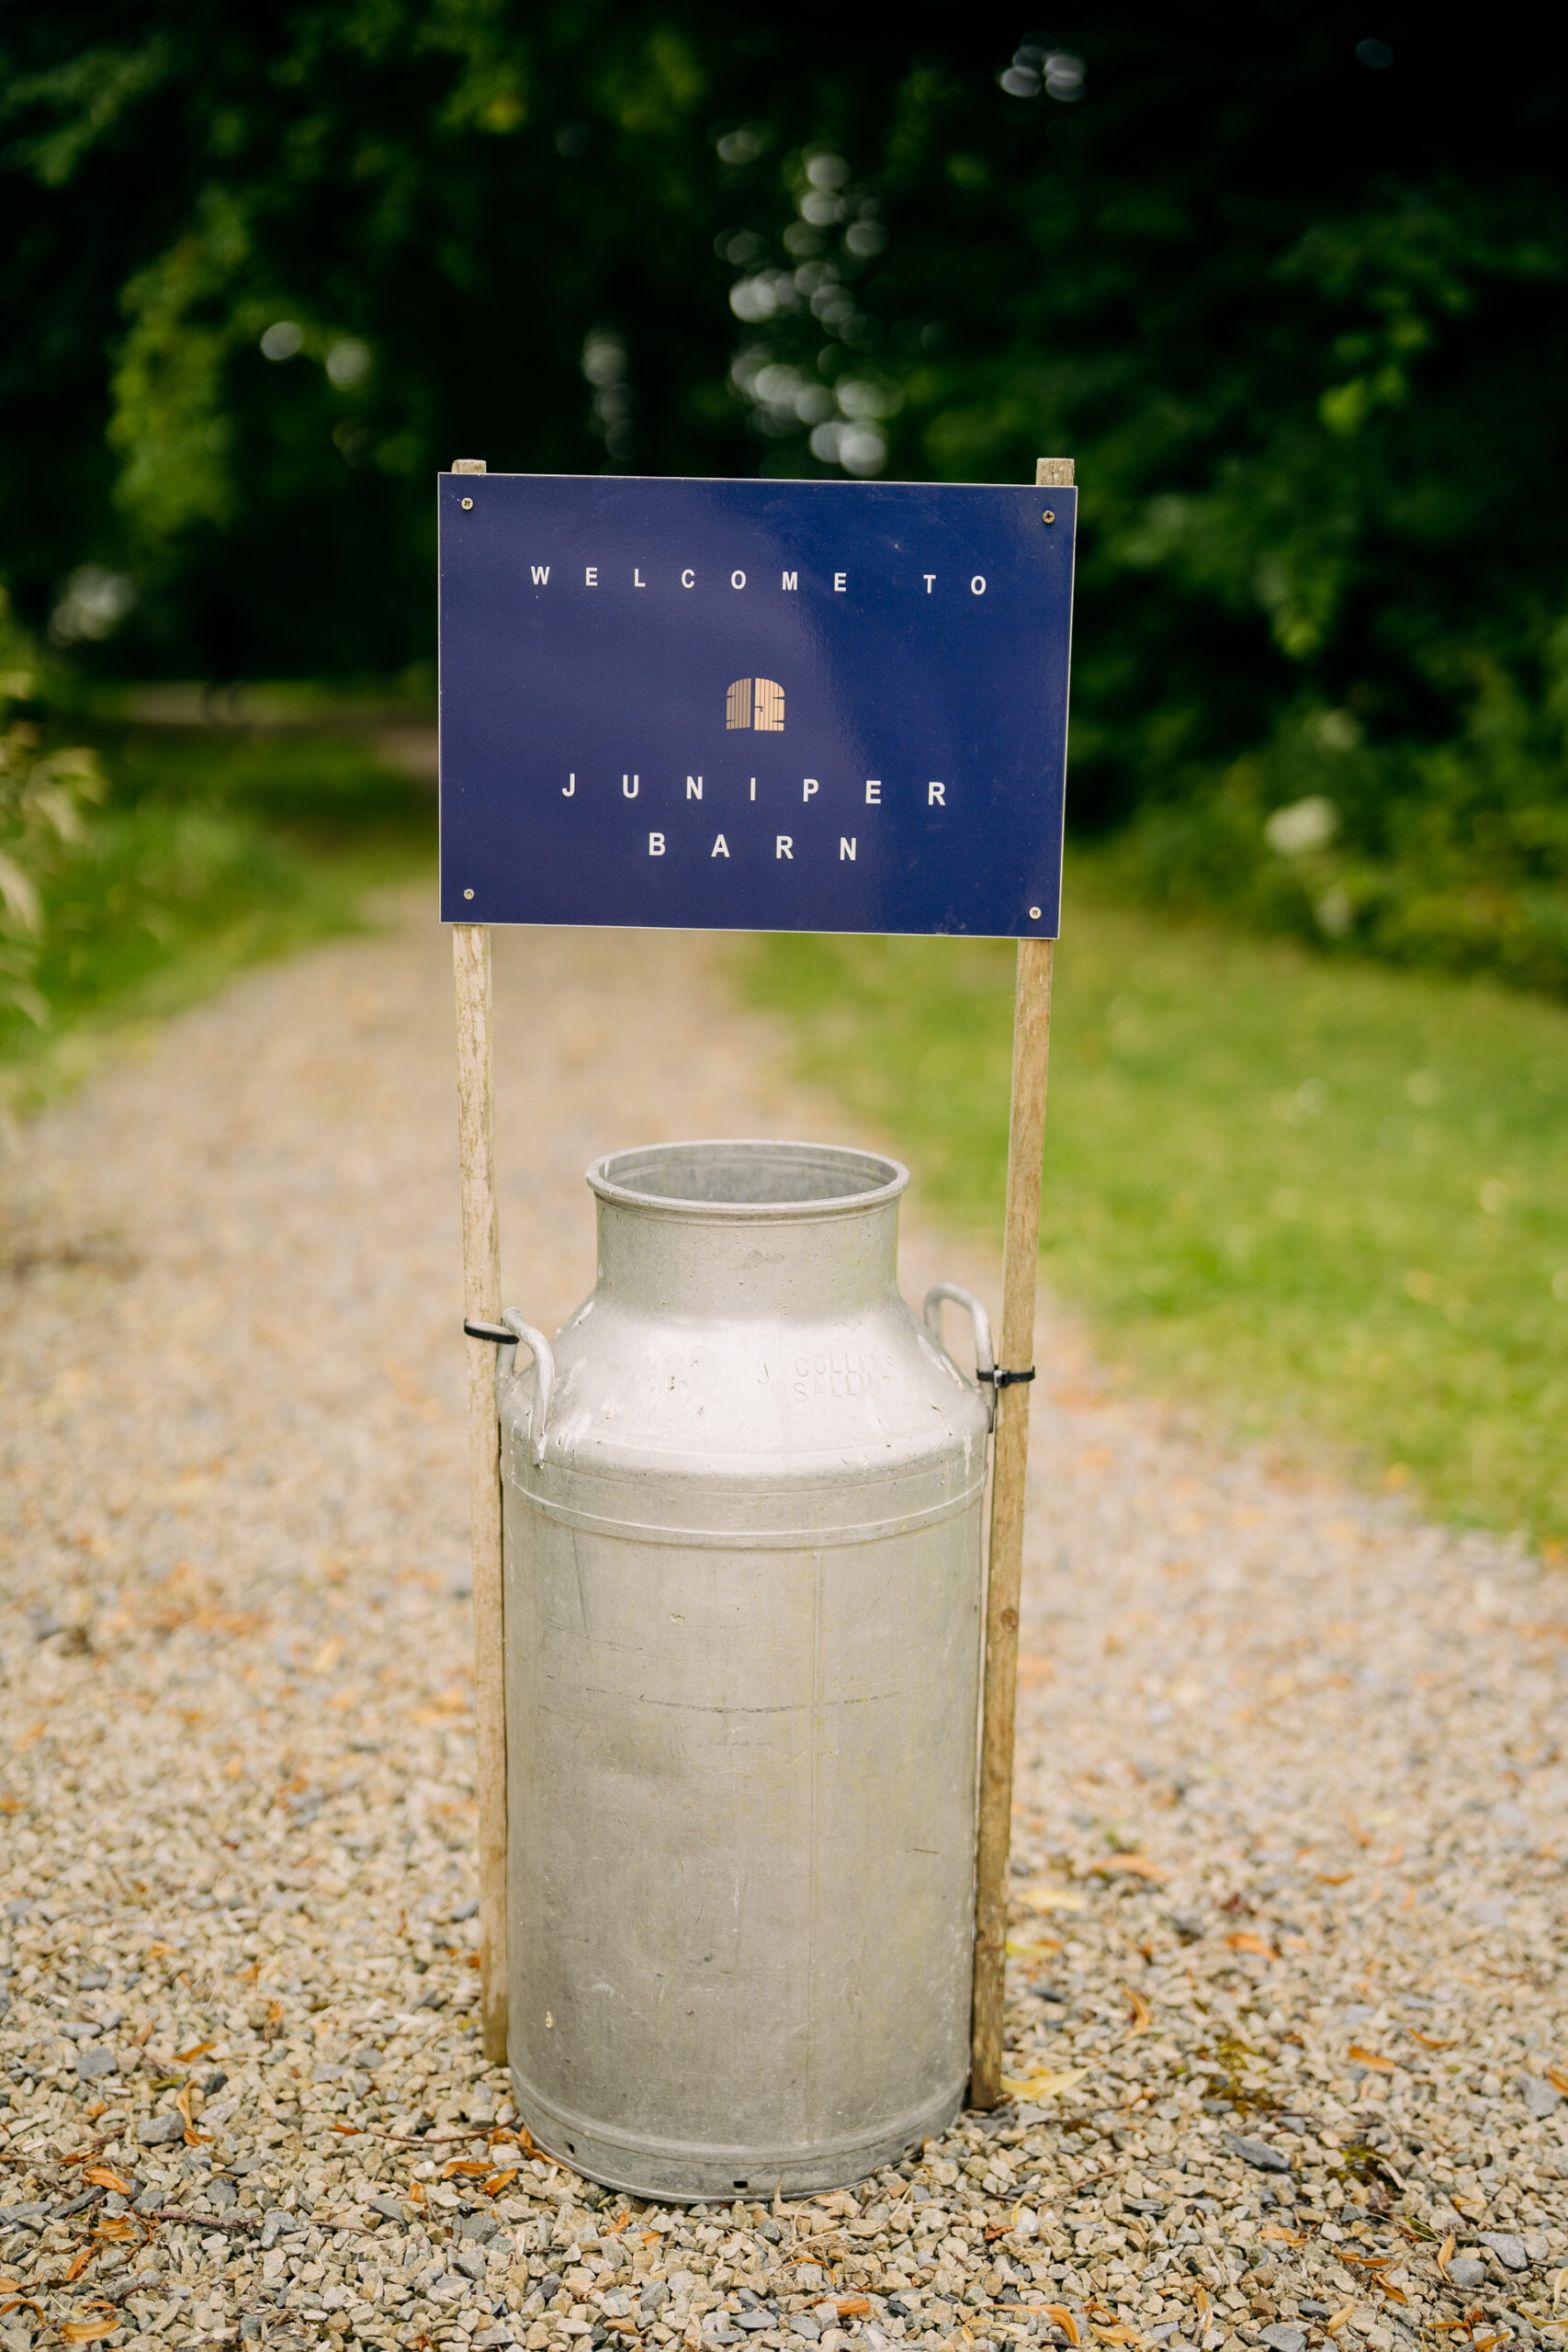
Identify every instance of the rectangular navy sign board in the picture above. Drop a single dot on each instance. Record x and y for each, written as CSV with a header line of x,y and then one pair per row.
x,y
758,706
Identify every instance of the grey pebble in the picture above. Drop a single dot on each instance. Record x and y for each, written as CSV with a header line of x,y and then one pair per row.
x,y
1256,2152
160,2131
1509,2249
1465,2271
1283,2339
95,2060
1539,2096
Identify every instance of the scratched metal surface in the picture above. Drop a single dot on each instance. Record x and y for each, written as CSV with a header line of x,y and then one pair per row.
x,y
743,1585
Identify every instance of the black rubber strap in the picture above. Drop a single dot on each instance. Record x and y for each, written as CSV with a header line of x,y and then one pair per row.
x,y
1007,1379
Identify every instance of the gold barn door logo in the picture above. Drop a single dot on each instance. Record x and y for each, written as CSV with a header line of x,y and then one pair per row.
x,y
755,702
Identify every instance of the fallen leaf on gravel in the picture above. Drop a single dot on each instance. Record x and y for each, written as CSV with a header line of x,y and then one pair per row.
x,y
83,2331
105,2176
196,2049
852,2306
21,2304
193,2139
1341,2319
1043,2082
1445,2254
1139,2016
1558,2079
1065,2321
1127,1866
1258,1944
1428,2040
1283,2237
115,2227
1055,1898
347,2130
1369,2058
1333,1878
1121,2334
1031,1951
471,2166
81,2263
499,2180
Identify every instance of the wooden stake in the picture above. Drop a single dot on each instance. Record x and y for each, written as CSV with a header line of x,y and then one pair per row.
x,y
1009,1462
482,1295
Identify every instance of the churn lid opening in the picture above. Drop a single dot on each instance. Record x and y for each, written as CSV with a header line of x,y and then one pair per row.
x,y
745,1175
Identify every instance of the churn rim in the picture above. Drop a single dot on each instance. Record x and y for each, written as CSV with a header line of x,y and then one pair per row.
x,y
604,1182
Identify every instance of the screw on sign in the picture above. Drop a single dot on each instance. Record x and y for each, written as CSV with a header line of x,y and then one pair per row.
x,y
784,669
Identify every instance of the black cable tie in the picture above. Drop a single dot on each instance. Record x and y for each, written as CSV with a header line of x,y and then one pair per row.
x,y
495,1333
1007,1379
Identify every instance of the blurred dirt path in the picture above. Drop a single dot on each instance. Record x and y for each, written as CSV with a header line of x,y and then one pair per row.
x,y
1291,1832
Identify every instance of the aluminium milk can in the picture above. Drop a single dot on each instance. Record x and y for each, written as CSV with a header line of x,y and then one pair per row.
x,y
743,1595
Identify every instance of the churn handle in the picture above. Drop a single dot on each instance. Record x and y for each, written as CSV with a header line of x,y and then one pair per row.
x,y
984,1356
544,1364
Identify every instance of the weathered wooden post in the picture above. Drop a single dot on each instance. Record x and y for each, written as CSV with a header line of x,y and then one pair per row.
x,y
1010,1464
481,1305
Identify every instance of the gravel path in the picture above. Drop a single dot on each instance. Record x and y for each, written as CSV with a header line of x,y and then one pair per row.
x,y
1290,2040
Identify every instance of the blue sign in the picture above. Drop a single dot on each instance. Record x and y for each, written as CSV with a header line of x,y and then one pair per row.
x,y
760,706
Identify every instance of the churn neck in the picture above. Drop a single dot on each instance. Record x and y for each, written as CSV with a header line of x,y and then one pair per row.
x,y
741,1227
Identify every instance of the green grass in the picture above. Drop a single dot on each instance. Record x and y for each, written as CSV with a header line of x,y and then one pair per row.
x,y
215,850
1330,1200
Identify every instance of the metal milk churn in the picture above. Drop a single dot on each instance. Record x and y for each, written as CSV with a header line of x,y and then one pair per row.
x,y
743,1596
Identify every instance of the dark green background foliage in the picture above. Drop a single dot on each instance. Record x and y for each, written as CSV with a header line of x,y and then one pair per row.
x,y
1294,302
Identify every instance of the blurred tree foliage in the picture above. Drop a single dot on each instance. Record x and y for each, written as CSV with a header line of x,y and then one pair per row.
x,y
1290,294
